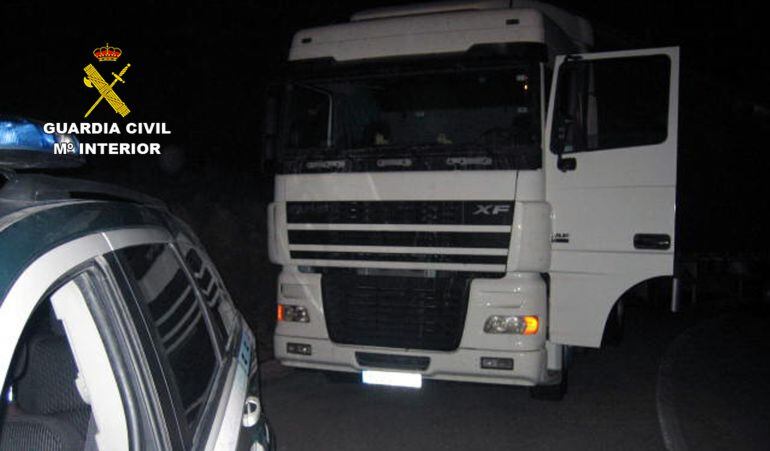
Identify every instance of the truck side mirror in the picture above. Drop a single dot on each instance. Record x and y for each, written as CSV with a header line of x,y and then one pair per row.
x,y
562,132
568,133
566,164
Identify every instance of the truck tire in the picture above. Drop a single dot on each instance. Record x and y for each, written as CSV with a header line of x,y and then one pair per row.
x,y
551,392
613,330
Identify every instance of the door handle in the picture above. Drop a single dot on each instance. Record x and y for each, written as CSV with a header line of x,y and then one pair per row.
x,y
657,241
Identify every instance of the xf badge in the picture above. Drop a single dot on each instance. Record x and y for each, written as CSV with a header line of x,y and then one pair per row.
x,y
491,209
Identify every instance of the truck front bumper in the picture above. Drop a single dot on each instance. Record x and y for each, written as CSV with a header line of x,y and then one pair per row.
x,y
529,367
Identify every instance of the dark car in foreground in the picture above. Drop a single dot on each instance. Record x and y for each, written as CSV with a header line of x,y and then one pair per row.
x,y
116,331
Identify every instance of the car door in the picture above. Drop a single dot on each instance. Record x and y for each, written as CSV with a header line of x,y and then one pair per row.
x,y
65,302
610,168
242,425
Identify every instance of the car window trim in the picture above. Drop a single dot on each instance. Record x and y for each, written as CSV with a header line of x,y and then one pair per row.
x,y
175,417
214,412
218,383
214,387
127,344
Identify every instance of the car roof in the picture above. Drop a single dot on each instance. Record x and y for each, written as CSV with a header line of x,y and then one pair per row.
x,y
20,190
39,212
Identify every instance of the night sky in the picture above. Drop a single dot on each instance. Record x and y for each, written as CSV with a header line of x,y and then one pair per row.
x,y
203,67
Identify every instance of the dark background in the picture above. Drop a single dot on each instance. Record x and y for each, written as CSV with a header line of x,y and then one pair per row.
x,y
202,67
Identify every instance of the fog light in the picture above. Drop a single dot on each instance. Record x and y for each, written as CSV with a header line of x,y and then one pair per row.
x,y
521,325
295,313
494,363
299,348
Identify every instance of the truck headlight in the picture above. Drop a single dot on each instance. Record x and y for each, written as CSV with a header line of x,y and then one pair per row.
x,y
294,313
520,325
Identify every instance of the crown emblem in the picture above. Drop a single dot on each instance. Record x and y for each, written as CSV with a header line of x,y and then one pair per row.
x,y
107,53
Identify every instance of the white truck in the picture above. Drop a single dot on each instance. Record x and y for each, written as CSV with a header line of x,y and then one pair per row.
x,y
463,193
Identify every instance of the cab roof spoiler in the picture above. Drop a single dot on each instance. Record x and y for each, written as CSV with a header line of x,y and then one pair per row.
x,y
576,27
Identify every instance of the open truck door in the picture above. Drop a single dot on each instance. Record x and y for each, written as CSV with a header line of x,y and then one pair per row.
x,y
610,168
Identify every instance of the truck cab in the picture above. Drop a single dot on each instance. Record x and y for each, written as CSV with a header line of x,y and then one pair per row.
x,y
463,192
116,331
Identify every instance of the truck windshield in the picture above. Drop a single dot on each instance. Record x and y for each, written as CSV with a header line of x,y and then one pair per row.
x,y
446,112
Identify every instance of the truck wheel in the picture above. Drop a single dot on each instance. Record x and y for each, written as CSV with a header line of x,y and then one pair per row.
x,y
613,330
551,392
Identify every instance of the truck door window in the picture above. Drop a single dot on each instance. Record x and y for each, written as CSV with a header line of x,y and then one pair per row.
x,y
177,322
611,103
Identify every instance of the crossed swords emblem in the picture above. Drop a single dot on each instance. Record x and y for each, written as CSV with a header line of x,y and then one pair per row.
x,y
94,79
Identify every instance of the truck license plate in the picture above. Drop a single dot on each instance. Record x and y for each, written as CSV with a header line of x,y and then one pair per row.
x,y
392,378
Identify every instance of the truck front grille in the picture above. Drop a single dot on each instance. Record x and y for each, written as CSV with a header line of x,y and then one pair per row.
x,y
424,235
399,212
395,311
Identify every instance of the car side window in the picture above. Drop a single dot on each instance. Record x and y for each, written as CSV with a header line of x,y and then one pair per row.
x,y
212,289
611,103
177,320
